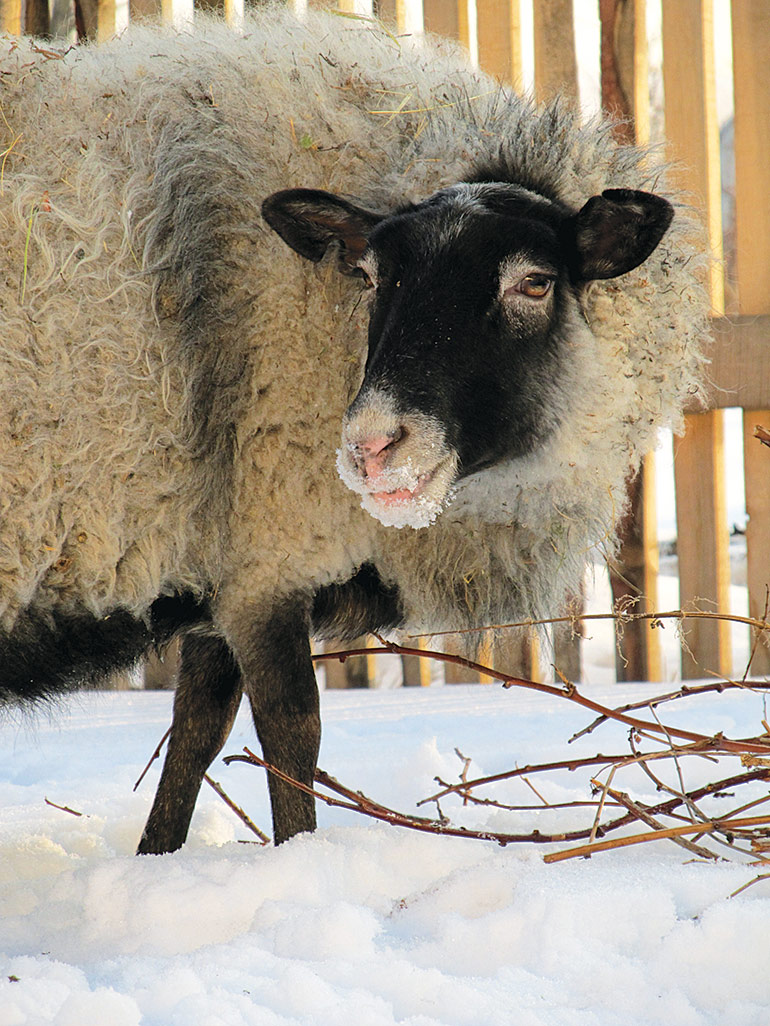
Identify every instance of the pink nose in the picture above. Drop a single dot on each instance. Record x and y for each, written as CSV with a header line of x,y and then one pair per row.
x,y
373,452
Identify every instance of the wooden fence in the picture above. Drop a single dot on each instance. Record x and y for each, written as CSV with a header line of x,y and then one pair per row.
x,y
491,31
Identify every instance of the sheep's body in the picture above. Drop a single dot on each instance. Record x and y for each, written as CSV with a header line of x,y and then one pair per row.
x,y
173,380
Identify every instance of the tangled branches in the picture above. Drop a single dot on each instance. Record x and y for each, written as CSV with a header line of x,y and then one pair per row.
x,y
685,814
725,815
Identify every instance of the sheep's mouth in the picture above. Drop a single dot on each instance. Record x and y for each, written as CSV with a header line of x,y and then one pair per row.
x,y
401,497
399,463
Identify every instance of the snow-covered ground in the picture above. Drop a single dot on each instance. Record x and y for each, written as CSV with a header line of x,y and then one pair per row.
x,y
361,924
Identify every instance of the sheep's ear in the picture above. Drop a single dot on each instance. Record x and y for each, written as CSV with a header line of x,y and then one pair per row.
x,y
310,220
615,232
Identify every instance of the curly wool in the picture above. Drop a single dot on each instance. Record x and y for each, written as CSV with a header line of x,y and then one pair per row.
x,y
173,379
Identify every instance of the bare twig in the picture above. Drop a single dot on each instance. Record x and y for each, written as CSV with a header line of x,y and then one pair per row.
x,y
621,617
672,744
62,808
360,803
725,826
155,755
244,818
464,774
642,814
717,743
762,876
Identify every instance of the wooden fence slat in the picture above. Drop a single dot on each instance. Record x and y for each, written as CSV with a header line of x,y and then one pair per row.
x,y
106,20
556,72
739,372
498,33
10,16
498,30
751,76
702,542
554,36
625,95
691,128
416,671
144,9
756,465
37,18
355,672
442,17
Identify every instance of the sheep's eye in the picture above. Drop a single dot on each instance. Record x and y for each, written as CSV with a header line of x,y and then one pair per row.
x,y
534,286
366,281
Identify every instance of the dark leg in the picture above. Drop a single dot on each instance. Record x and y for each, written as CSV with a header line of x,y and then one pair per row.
x,y
281,686
207,698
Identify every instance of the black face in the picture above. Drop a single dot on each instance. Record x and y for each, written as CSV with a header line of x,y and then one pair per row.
x,y
467,294
471,296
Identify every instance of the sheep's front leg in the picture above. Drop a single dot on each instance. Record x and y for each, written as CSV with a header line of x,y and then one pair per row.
x,y
280,682
207,698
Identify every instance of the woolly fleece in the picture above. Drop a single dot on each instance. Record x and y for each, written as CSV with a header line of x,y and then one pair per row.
x,y
173,378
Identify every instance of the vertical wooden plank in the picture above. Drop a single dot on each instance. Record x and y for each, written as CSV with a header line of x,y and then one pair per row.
x,y
751,77
498,29
10,16
409,16
756,465
702,542
555,73
651,566
37,18
385,10
355,672
442,17
625,95
106,24
633,79
691,118
234,13
416,671
139,9
454,674
692,131
555,64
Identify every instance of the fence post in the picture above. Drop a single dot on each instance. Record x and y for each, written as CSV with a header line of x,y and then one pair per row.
x,y
144,9
702,538
556,73
356,671
498,31
751,75
442,17
625,95
10,17
555,63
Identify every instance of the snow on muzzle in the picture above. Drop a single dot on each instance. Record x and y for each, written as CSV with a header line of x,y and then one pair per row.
x,y
399,463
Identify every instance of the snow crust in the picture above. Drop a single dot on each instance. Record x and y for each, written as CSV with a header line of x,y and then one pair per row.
x,y
360,923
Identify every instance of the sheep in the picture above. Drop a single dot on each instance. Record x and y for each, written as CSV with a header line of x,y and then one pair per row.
x,y
200,231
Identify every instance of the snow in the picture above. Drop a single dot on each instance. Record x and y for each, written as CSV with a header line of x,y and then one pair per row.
x,y
361,923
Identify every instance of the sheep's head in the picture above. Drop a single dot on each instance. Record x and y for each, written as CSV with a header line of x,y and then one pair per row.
x,y
469,293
